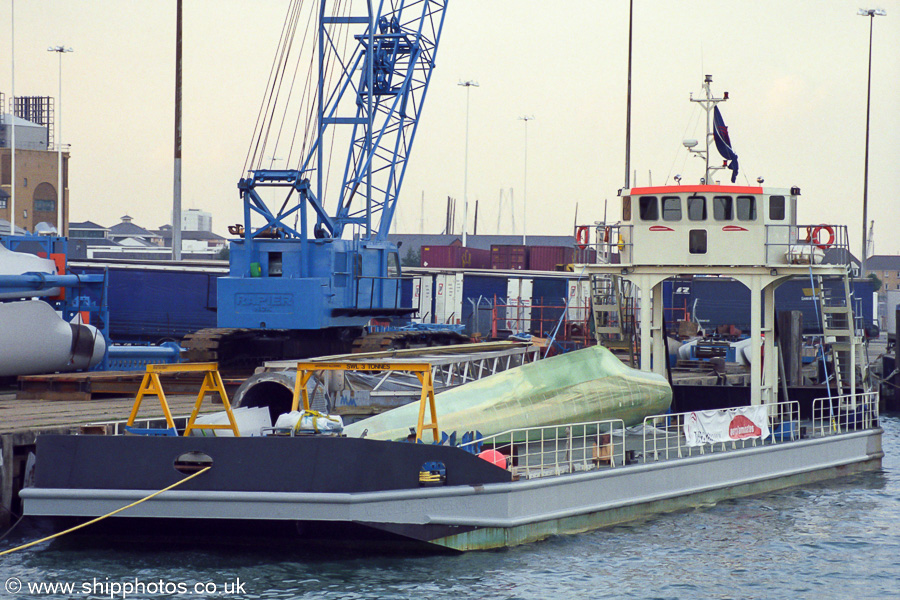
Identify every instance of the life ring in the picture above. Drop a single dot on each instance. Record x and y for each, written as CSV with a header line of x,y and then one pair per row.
x,y
607,234
814,236
581,237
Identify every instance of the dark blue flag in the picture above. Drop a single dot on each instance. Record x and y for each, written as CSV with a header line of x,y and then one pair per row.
x,y
723,142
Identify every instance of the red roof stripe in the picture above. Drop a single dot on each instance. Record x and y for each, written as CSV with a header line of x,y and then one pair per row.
x,y
674,189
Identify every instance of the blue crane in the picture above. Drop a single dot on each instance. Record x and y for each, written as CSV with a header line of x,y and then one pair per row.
x,y
313,264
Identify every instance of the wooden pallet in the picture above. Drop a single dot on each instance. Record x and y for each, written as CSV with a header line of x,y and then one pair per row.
x,y
87,386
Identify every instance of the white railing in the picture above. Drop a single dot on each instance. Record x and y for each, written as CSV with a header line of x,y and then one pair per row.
x,y
843,414
807,244
553,450
664,437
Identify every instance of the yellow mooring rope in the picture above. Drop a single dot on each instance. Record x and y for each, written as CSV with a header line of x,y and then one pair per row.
x,y
118,510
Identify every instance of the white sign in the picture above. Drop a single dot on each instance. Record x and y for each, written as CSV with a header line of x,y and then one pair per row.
x,y
711,426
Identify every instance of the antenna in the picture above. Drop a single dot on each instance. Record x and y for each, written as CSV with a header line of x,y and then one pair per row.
x,y
708,104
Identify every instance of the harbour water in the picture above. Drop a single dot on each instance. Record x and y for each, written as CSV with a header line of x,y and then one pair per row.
x,y
839,539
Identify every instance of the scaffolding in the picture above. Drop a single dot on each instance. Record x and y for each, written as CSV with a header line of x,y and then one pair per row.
x,y
36,109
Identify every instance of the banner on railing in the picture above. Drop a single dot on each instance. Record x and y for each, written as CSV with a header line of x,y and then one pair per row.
x,y
711,426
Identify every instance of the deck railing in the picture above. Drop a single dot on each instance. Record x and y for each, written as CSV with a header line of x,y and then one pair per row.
x,y
664,435
843,414
553,450
807,244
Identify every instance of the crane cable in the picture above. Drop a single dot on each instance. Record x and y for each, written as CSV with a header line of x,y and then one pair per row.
x,y
282,60
118,510
258,127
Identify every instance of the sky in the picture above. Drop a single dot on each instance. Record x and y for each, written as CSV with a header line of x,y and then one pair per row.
x,y
796,73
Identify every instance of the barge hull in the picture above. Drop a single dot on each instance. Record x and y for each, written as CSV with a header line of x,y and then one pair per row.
x,y
470,515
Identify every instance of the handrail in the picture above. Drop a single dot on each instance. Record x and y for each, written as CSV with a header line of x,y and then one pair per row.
x,y
664,435
846,413
556,449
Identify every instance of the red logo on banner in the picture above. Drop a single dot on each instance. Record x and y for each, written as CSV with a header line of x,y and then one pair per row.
x,y
742,427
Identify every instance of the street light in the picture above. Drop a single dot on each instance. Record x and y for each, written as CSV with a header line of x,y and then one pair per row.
x,y
468,85
525,186
60,193
871,13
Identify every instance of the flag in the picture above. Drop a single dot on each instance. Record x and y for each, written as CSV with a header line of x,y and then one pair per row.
x,y
723,142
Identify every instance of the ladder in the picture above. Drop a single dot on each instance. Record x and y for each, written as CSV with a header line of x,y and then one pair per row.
x,y
840,332
613,315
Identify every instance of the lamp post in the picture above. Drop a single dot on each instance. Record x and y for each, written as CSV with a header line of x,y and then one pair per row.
x,y
468,85
12,121
871,13
525,186
60,192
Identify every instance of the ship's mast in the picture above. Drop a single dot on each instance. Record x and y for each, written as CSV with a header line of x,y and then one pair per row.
x,y
707,103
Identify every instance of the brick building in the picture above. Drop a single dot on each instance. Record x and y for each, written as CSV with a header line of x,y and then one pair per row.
x,y
36,195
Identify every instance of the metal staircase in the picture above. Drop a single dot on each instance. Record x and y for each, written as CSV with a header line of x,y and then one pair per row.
x,y
613,316
840,332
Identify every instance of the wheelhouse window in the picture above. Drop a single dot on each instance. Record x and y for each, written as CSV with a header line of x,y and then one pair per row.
x,y
393,264
671,208
776,208
723,208
626,208
697,241
746,208
649,208
696,208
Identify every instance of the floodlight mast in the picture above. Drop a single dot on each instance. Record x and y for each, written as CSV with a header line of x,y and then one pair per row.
x,y
871,13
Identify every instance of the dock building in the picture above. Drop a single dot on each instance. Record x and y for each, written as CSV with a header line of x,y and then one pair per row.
x,y
37,164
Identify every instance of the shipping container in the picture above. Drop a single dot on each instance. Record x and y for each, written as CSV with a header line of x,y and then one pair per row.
x,y
477,259
455,257
150,305
509,257
440,257
548,258
585,256
718,301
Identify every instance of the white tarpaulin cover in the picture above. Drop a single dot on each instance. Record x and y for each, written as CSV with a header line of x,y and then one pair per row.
x,y
711,426
18,263
577,387
34,339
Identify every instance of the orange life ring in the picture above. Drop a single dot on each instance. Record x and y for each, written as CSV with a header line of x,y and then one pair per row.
x,y
581,237
814,236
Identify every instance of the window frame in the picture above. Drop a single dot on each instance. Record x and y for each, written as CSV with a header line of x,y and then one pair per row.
x,y
692,200
729,205
42,201
664,211
737,207
698,241
783,200
643,208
